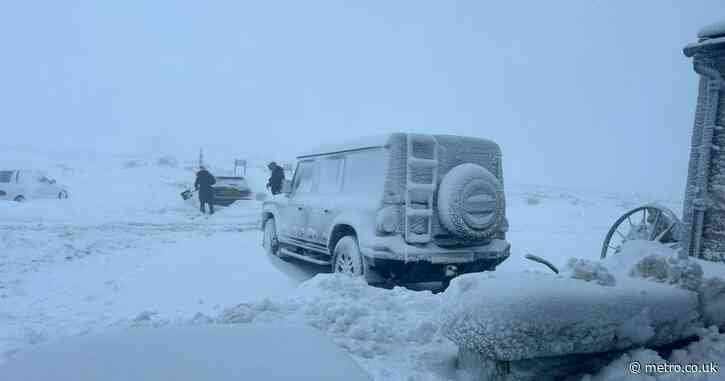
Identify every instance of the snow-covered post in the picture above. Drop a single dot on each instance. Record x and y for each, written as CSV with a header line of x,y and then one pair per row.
x,y
704,207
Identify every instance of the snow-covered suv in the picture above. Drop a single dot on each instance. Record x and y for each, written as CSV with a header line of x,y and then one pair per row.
x,y
405,207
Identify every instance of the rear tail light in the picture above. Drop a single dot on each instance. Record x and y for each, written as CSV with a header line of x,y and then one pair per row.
x,y
388,219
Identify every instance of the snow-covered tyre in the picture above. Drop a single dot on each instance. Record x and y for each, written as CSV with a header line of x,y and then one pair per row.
x,y
347,258
20,198
270,241
471,202
62,195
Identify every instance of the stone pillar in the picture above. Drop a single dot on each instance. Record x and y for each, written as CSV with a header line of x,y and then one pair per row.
x,y
703,234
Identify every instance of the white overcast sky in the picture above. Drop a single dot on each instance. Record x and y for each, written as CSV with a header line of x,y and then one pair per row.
x,y
590,94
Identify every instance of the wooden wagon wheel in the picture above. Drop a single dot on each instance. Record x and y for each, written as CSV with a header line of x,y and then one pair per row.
x,y
648,222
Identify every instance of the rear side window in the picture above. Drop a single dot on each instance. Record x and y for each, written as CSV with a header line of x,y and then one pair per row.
x,y
304,177
330,175
5,176
365,172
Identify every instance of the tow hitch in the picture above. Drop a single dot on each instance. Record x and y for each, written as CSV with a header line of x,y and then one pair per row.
x,y
450,271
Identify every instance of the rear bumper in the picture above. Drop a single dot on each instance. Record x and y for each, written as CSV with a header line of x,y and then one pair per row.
x,y
394,248
394,259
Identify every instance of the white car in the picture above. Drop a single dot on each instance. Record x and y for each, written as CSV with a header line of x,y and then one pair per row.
x,y
22,185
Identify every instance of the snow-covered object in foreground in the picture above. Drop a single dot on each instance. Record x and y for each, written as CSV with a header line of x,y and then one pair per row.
x,y
211,352
496,320
658,263
590,271
684,273
419,207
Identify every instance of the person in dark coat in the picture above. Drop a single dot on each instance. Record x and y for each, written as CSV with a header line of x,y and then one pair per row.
x,y
203,184
275,180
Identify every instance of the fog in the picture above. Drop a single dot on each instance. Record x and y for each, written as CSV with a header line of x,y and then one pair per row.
x,y
586,94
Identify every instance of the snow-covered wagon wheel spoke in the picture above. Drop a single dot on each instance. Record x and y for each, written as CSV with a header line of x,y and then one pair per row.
x,y
648,222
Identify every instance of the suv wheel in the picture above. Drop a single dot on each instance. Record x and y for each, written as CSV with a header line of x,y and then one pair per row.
x,y
347,257
20,199
62,195
270,242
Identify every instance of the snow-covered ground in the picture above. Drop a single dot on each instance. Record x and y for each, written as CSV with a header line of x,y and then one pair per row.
x,y
126,251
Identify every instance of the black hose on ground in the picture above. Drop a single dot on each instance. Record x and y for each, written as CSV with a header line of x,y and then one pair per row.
x,y
543,261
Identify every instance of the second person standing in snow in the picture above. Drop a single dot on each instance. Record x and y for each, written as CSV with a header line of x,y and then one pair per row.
x,y
203,184
275,180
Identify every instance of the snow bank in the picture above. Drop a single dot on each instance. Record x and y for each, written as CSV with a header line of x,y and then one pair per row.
x,y
658,263
540,315
634,251
215,353
709,349
394,334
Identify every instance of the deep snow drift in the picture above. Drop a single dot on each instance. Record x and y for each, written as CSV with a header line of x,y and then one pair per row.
x,y
125,251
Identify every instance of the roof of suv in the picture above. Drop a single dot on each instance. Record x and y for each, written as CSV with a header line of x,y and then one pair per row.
x,y
374,141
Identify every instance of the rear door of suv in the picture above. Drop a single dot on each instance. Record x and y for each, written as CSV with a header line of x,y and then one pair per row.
x,y
292,224
325,204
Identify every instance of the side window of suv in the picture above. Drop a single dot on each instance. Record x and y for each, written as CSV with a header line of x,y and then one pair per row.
x,y
303,177
365,172
6,176
330,175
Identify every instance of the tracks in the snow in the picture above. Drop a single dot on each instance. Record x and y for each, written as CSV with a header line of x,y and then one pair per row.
x,y
33,248
140,228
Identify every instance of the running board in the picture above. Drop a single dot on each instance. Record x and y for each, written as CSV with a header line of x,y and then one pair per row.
x,y
305,258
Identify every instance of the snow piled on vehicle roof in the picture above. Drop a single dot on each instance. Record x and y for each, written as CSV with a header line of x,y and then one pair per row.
x,y
348,145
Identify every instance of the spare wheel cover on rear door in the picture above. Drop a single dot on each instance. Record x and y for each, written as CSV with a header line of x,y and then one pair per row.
x,y
471,202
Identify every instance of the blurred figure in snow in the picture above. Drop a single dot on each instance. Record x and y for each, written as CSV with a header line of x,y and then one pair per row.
x,y
275,180
204,181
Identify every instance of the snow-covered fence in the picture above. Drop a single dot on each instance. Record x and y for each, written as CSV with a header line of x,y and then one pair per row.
x,y
704,208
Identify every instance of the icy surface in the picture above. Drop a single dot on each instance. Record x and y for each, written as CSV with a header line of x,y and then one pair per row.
x,y
538,315
205,352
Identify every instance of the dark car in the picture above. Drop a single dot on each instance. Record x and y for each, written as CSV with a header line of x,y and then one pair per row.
x,y
229,189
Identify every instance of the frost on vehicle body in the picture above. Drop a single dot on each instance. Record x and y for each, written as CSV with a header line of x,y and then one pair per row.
x,y
419,207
